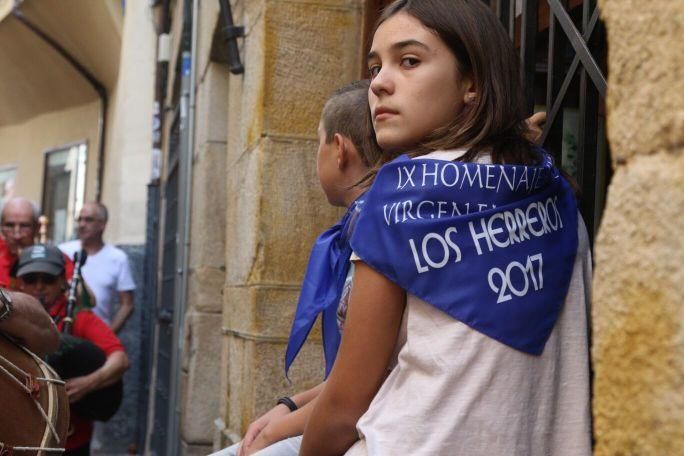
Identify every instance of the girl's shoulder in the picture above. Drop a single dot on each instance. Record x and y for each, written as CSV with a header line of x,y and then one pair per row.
x,y
455,154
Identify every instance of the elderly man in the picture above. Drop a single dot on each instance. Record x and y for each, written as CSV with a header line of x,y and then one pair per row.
x,y
21,316
19,227
107,270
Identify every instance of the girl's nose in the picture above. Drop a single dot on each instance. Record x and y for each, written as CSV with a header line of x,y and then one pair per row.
x,y
382,82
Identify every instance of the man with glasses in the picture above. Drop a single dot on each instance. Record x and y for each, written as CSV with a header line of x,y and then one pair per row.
x,y
107,270
21,316
19,227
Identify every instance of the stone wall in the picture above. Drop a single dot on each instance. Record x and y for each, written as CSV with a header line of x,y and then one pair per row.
x,y
201,363
295,53
638,349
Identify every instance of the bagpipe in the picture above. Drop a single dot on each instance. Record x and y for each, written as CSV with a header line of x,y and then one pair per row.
x,y
77,357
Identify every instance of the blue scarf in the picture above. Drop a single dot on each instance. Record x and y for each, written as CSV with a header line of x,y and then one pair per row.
x,y
322,288
493,246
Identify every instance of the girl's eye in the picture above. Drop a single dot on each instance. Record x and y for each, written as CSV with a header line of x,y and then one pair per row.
x,y
374,70
409,62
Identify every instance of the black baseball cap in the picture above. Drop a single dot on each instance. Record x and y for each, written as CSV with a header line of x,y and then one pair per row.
x,y
41,258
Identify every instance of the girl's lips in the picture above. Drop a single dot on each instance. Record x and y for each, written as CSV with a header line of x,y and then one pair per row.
x,y
384,116
381,113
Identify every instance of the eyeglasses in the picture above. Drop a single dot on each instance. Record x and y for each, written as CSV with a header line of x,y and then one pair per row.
x,y
87,219
9,227
45,279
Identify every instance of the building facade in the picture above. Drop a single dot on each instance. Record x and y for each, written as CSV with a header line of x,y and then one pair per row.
x,y
76,104
209,159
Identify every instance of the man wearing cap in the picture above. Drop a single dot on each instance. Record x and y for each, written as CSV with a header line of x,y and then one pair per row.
x,y
40,273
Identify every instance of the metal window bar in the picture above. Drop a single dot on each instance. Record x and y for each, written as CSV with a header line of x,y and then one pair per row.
x,y
528,46
150,299
557,86
588,132
163,354
575,85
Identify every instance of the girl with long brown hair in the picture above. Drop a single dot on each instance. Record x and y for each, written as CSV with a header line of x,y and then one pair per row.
x,y
466,331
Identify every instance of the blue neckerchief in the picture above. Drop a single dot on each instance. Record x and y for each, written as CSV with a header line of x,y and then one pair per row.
x,y
322,288
491,245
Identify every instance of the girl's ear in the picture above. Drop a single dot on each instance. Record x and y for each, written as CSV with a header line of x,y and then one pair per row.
x,y
469,92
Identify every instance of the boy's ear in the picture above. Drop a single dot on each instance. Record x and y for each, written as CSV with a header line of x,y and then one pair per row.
x,y
341,150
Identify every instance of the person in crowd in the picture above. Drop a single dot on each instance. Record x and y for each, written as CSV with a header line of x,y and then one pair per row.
x,y
346,151
19,228
26,322
41,274
19,224
107,270
466,330
21,316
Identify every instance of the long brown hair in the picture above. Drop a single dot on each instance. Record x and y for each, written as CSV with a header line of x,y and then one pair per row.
x,y
495,121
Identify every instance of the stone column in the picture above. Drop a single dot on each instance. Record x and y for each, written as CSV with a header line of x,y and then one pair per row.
x,y
638,313
296,53
201,366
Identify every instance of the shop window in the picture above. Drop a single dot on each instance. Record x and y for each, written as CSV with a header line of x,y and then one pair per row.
x,y
63,189
8,180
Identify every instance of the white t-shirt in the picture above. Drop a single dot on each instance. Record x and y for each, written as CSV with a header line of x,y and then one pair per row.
x,y
455,391
107,272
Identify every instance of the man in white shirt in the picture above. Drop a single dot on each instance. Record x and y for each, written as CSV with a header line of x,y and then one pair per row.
x,y
107,270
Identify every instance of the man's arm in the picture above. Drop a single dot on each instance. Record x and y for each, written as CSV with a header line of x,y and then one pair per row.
x,y
125,310
110,372
30,325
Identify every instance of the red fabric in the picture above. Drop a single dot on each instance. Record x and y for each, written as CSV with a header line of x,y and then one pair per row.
x,y
68,268
8,261
87,326
5,264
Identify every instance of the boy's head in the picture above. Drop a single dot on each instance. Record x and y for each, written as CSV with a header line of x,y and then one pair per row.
x,y
347,147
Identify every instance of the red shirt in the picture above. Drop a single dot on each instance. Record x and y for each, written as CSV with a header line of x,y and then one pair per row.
x,y
8,261
87,326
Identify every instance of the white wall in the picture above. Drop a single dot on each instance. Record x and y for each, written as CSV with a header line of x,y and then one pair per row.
x,y
129,137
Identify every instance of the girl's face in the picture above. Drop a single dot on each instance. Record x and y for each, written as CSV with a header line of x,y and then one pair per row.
x,y
416,86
